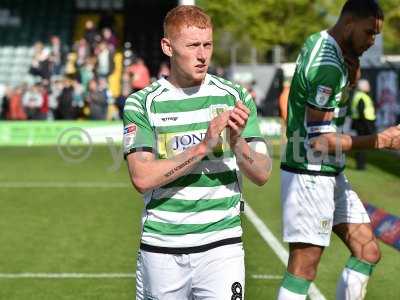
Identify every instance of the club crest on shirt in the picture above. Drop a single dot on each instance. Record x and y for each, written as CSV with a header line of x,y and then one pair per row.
x,y
323,94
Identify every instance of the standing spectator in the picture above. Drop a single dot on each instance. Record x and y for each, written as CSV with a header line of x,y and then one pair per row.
x,y
105,60
41,64
65,110
109,38
32,101
55,92
363,117
91,35
57,54
82,49
140,75
163,71
97,101
15,107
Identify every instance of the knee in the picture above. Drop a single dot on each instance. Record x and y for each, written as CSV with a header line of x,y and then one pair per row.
x,y
372,253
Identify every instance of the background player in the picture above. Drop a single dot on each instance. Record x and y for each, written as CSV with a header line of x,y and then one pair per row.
x,y
316,196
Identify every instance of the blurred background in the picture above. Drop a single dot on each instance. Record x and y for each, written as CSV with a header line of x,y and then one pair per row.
x,y
79,60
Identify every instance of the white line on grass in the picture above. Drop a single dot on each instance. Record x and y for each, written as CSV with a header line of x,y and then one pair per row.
x,y
44,184
314,293
100,275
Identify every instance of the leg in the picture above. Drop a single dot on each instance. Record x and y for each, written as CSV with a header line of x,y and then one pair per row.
x,y
301,271
352,226
365,254
162,276
219,273
307,224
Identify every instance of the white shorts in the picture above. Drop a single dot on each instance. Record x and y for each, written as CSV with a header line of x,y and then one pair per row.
x,y
216,274
312,204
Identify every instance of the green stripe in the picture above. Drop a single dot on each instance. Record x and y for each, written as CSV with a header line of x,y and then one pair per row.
x,y
204,180
181,229
295,284
182,128
360,266
191,104
177,205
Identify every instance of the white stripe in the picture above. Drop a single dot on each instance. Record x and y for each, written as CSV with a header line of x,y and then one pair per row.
x,y
133,101
101,275
321,129
204,217
46,184
181,118
190,240
277,247
313,54
224,86
196,193
340,112
178,94
133,108
66,275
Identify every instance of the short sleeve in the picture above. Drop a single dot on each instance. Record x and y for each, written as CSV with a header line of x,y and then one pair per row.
x,y
324,83
252,129
138,133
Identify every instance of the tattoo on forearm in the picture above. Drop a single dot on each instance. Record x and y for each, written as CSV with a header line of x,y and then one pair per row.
x,y
248,158
182,165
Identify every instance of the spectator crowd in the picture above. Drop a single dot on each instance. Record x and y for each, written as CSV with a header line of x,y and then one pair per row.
x,y
73,82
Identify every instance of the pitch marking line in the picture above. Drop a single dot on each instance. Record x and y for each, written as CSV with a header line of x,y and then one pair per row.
x,y
44,184
314,293
100,275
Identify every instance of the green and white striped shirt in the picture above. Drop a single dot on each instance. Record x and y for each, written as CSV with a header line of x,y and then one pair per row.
x,y
320,82
203,206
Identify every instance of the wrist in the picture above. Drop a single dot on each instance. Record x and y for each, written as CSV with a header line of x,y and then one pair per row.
x,y
382,141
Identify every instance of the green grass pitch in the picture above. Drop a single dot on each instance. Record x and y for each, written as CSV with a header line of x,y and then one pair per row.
x,y
94,230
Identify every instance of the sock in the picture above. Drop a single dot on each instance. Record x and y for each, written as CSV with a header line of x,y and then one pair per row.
x,y
352,284
293,288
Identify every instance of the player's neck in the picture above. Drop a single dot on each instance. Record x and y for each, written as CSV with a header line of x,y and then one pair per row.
x,y
335,33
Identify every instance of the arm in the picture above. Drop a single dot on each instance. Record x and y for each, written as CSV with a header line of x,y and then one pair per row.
x,y
331,142
147,172
252,158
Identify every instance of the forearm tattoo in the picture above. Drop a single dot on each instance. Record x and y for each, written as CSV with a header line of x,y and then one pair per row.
x,y
248,158
182,165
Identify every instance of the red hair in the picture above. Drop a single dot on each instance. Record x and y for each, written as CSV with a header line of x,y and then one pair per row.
x,y
185,15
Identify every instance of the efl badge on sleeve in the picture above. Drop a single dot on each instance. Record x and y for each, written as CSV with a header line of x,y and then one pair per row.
x,y
130,131
323,95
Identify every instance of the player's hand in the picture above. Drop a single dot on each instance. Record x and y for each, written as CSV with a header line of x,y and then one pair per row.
x,y
353,66
237,122
389,138
213,134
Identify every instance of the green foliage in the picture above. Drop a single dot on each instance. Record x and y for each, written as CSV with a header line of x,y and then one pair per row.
x,y
265,23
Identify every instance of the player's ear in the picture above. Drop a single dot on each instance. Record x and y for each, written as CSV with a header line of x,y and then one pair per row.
x,y
166,46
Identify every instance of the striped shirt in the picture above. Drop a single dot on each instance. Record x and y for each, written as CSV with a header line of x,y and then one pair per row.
x,y
319,82
202,208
